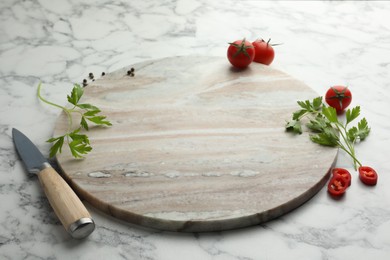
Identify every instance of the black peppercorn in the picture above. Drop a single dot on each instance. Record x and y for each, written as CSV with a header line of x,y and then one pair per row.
x,y
91,75
130,72
103,73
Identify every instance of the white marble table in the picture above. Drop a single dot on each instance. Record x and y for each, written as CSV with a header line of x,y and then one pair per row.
x,y
324,43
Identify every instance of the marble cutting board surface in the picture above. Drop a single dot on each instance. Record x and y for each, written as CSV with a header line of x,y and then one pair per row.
x,y
197,146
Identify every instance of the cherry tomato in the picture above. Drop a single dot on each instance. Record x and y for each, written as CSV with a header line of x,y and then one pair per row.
x,y
264,53
368,175
338,97
343,173
337,185
240,53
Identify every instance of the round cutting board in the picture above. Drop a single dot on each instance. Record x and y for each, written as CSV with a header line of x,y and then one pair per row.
x,y
196,145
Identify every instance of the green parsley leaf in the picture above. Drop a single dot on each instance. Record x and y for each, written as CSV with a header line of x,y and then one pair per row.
x,y
91,113
360,132
327,138
57,145
298,114
312,106
78,148
305,104
99,120
76,94
79,145
352,114
364,130
79,137
87,107
84,124
318,124
307,108
330,113
294,126
317,103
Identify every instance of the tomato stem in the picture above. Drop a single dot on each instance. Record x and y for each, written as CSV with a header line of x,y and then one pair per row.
x,y
241,48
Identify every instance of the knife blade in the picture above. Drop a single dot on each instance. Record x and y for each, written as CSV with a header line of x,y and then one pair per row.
x,y
65,203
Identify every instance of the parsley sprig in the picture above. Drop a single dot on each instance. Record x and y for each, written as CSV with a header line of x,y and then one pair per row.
x,y
307,108
326,127
78,143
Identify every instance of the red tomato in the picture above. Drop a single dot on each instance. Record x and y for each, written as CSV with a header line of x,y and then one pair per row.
x,y
338,97
343,173
264,53
337,185
240,53
368,175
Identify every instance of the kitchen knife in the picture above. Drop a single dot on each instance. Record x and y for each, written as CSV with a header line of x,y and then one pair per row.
x,y
67,206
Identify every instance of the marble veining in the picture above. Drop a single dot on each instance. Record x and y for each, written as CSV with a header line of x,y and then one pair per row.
x,y
59,42
224,146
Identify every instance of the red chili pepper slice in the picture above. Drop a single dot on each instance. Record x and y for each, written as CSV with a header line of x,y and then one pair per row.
x,y
344,173
368,175
337,185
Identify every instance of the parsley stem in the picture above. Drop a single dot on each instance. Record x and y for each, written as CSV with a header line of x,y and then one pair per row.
x,y
67,111
350,145
306,114
355,160
46,101
351,151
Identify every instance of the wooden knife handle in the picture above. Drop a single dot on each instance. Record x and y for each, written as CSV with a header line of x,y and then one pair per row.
x,y
67,206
